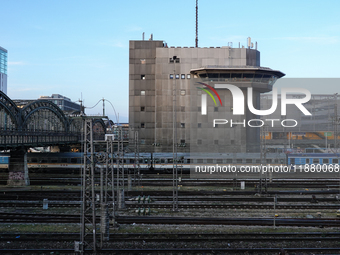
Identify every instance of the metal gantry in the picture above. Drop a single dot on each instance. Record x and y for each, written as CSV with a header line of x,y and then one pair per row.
x,y
88,204
120,169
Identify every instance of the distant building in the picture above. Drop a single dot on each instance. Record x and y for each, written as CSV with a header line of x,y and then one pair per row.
x,y
64,103
3,70
316,130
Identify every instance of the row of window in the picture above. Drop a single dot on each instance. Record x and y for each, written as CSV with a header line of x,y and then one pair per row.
x,y
143,77
204,161
171,76
142,125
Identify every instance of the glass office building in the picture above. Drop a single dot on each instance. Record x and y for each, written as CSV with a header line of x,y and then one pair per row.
x,y
3,70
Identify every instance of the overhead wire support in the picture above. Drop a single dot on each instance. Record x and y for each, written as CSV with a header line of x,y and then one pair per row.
x,y
120,168
136,169
88,194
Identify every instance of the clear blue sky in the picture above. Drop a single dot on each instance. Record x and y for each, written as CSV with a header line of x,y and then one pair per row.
x,y
74,47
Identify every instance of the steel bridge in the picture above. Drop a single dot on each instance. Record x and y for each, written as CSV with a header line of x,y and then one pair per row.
x,y
39,124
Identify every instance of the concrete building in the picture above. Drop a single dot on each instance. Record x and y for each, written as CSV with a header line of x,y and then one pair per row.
x,y
313,131
64,103
3,70
156,71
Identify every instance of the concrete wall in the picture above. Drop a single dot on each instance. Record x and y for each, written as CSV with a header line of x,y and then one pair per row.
x,y
152,113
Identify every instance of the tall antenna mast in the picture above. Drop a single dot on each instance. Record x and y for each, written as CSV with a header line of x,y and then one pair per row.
x,y
196,41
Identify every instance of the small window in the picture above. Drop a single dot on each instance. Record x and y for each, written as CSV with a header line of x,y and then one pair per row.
x,y
142,77
188,76
142,125
188,161
215,109
142,141
258,161
182,92
229,160
316,161
335,161
210,160
199,141
182,108
177,76
219,161
268,160
171,76
199,125
182,140
142,108
215,142
307,161
249,160
73,160
232,142
182,76
239,160
142,92
199,108
199,160
63,160
182,125
325,161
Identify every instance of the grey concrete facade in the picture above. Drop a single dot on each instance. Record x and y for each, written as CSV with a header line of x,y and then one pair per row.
x,y
154,75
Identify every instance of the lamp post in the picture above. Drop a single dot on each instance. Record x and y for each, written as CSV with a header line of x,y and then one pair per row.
x,y
174,145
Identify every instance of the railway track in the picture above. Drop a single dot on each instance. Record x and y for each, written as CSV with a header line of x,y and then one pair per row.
x,y
178,251
326,222
176,237
215,242
155,180
54,218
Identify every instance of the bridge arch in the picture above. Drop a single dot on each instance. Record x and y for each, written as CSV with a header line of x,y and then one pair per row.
x,y
8,109
43,115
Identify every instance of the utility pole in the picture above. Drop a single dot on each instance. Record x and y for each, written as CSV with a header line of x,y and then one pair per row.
x,y
174,146
120,169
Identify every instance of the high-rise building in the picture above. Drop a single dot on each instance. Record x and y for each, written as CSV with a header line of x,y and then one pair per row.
x,y
156,71
3,70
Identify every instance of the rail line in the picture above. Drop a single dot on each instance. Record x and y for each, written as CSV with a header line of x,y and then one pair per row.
x,y
53,218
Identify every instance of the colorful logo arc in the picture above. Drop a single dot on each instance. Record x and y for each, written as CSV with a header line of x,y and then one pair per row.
x,y
213,90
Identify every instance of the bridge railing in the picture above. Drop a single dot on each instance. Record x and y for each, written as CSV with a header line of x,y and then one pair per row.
x,y
9,139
